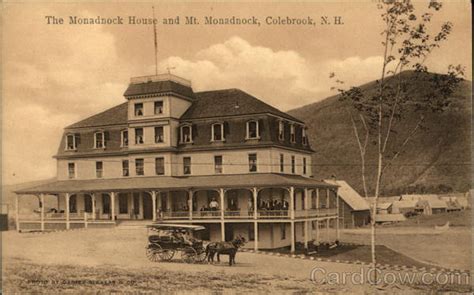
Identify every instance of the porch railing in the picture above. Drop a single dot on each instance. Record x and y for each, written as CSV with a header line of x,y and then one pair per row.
x,y
207,214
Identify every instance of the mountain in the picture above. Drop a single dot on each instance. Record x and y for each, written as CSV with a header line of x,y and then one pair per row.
x,y
437,159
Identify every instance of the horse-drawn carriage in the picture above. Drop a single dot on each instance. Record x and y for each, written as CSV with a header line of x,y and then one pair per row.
x,y
165,240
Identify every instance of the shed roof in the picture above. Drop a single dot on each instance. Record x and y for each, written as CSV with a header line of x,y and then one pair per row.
x,y
174,183
404,204
349,195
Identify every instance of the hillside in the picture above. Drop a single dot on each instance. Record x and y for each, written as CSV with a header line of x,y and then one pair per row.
x,y
437,159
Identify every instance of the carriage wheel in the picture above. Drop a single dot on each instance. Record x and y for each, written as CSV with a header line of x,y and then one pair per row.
x,y
153,252
188,255
201,255
166,255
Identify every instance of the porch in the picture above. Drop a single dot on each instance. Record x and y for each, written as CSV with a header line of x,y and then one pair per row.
x,y
273,198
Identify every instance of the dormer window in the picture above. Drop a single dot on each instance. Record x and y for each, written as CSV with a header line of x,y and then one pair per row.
x,y
158,107
99,140
304,137
281,130
186,134
124,138
159,135
217,132
139,136
253,131
292,133
138,109
71,143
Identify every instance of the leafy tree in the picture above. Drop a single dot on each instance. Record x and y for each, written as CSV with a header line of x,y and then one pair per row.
x,y
376,116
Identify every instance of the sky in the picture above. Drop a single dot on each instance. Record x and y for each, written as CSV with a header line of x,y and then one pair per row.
x,y
55,75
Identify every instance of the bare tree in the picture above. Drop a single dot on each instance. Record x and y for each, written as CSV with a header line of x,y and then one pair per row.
x,y
377,115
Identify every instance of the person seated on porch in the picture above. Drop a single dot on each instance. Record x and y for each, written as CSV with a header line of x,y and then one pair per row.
x,y
213,205
269,205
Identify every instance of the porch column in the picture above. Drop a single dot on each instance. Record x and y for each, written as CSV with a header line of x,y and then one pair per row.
x,y
337,215
292,202
222,231
93,206
305,230
42,211
168,201
190,204
317,231
112,204
17,212
327,228
221,194
255,197
306,194
292,232
153,202
68,225
255,236
317,198
327,198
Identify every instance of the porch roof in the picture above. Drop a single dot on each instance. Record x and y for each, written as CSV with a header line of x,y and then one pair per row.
x,y
175,183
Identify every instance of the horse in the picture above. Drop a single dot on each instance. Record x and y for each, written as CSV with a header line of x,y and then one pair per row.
x,y
224,248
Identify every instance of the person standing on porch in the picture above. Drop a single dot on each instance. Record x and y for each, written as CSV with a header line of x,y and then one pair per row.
x,y
214,205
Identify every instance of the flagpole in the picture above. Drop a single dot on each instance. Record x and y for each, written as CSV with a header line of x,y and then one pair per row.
x,y
156,41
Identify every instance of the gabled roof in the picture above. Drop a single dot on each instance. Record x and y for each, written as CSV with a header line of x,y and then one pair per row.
x,y
230,102
158,87
114,116
349,195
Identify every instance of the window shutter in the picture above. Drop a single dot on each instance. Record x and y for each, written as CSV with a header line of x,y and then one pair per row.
x,y
260,127
226,129
78,139
194,131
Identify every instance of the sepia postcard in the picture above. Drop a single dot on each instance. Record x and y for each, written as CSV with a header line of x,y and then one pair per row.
x,y
234,147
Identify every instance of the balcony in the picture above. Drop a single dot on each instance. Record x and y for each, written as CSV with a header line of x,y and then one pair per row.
x,y
244,214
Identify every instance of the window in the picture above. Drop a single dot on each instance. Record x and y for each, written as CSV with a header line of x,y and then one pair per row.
x,y
292,133
71,168
283,231
304,165
293,168
138,109
158,107
139,167
186,134
253,131
282,163
187,165
123,203
138,135
252,162
125,168
159,137
304,138
99,169
281,130
99,140
160,166
218,164
124,138
217,132
71,143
